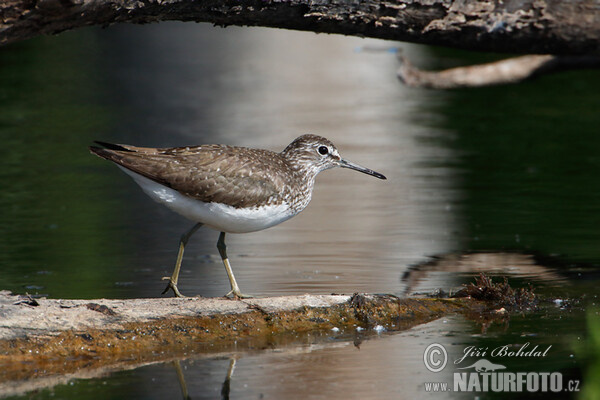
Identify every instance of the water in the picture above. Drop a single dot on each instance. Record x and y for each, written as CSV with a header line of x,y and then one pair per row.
x,y
509,171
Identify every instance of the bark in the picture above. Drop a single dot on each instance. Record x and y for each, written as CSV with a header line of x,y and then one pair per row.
x,y
519,26
512,70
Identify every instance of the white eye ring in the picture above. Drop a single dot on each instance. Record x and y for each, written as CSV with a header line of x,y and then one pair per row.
x,y
323,150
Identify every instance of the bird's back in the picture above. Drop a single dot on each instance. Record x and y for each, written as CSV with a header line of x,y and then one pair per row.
x,y
236,176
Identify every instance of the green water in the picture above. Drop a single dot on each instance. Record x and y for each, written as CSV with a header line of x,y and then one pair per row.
x,y
51,105
529,165
504,169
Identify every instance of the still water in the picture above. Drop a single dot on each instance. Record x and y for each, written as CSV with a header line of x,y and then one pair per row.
x,y
503,180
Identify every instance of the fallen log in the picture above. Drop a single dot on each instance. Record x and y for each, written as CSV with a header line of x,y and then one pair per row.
x,y
45,337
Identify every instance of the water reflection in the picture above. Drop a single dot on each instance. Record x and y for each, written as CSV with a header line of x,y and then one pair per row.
x,y
183,385
424,276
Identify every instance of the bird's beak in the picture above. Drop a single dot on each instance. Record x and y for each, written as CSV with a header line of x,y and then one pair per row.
x,y
356,167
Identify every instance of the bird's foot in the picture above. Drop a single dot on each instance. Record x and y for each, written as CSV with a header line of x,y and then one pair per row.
x,y
236,294
171,285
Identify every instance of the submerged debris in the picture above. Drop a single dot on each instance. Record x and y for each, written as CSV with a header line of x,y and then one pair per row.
x,y
501,294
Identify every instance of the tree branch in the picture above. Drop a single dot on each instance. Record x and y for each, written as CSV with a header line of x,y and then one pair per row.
x,y
529,26
512,70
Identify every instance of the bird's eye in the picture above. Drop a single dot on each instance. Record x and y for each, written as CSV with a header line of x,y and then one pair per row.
x,y
323,150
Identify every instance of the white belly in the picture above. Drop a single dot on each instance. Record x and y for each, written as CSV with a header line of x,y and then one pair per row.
x,y
218,216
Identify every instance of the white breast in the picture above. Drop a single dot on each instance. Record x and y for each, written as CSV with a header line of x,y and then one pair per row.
x,y
218,216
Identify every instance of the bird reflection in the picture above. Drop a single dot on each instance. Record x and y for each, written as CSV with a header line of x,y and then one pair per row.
x,y
225,388
227,383
181,379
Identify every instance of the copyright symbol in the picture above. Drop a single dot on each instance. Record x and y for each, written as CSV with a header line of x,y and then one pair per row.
x,y
435,357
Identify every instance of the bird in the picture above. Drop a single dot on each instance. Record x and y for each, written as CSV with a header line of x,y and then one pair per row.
x,y
230,189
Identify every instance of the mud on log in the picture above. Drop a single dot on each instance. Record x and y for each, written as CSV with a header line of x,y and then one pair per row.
x,y
37,336
531,26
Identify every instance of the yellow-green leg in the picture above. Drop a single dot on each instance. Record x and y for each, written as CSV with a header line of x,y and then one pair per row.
x,y
175,276
235,289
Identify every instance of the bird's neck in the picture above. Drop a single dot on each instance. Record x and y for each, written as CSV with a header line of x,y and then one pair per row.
x,y
301,164
304,176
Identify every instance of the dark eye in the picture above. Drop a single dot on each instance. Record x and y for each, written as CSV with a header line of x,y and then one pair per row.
x,y
323,150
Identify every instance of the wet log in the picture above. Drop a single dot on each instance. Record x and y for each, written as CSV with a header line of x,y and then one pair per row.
x,y
38,335
516,26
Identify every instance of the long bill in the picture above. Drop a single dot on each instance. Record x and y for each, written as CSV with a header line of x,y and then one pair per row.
x,y
359,168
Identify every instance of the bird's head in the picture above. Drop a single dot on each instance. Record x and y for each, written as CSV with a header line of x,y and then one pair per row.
x,y
312,154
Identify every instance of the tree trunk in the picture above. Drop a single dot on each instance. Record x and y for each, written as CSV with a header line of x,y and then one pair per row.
x,y
516,26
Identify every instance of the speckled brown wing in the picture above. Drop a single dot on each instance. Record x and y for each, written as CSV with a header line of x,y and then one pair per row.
x,y
209,173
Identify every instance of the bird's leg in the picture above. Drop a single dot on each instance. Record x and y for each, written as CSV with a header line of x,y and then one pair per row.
x,y
175,276
235,289
226,387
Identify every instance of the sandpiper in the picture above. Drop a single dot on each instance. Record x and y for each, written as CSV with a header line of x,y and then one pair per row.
x,y
227,188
